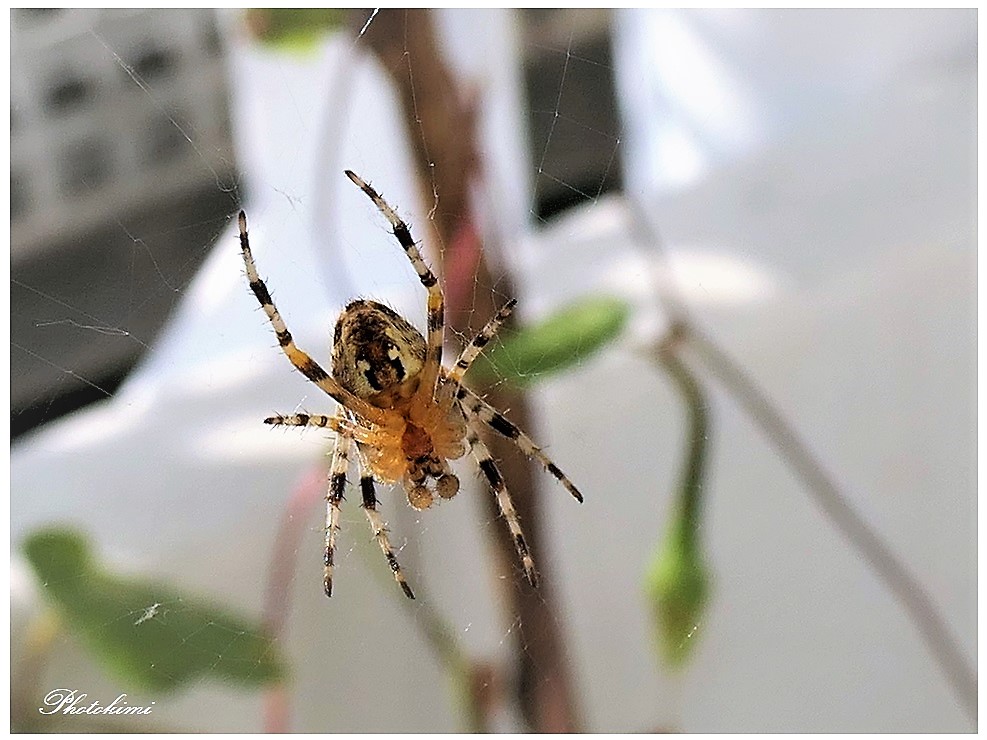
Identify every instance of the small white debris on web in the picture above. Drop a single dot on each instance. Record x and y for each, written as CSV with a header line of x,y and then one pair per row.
x,y
149,613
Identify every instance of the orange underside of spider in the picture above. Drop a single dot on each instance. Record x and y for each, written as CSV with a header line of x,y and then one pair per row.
x,y
418,436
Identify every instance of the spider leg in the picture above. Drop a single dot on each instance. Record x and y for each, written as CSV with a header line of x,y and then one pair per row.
x,y
436,301
370,502
337,482
337,424
476,408
496,481
305,420
302,362
474,348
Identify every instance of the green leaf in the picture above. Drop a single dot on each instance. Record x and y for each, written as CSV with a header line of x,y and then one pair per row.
x,y
294,30
149,635
564,339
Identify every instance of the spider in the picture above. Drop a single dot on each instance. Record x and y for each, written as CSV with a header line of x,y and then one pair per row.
x,y
407,414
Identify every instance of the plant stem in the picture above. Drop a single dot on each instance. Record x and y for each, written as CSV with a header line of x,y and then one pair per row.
x,y
25,690
277,602
470,697
820,484
441,124
691,484
825,492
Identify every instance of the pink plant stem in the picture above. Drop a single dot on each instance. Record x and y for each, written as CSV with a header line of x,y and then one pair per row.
x,y
303,499
461,264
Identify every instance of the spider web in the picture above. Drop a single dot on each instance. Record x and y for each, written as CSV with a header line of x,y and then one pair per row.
x,y
172,474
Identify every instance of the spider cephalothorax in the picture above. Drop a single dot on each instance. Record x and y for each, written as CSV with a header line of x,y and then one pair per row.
x,y
408,415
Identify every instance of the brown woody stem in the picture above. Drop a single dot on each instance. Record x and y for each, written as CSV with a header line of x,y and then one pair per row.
x,y
441,121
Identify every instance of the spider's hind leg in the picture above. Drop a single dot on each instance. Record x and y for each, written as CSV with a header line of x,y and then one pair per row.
x,y
300,359
475,347
477,408
337,482
492,473
368,489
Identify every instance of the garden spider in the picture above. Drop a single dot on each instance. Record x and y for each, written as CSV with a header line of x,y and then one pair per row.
x,y
406,413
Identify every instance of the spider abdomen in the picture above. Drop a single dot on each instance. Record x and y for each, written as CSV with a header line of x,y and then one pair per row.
x,y
376,354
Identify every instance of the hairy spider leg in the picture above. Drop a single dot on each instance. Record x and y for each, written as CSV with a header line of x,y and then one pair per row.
x,y
368,489
492,473
337,482
302,361
337,424
436,301
475,407
474,348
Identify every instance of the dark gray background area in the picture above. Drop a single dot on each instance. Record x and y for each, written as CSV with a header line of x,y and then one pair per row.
x,y
84,312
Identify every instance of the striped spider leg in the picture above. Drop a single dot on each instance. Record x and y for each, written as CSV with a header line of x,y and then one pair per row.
x,y
492,473
369,492
337,483
478,410
346,430
475,347
301,360
436,300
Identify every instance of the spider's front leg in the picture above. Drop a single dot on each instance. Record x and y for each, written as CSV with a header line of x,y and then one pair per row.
x,y
436,301
300,359
476,408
